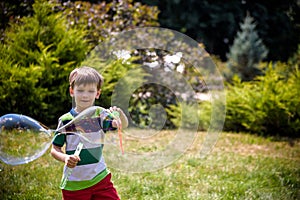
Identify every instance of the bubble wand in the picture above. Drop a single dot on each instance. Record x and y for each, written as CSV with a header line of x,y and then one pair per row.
x,y
69,170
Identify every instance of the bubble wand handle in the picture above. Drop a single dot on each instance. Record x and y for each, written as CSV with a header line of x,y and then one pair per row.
x,y
68,172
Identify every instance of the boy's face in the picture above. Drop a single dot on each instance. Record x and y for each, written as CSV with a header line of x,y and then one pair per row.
x,y
84,95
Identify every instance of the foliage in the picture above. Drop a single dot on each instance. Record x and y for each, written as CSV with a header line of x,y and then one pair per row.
x,y
52,40
121,76
101,20
269,106
215,23
187,116
12,11
43,50
247,51
19,91
212,23
171,79
145,100
294,61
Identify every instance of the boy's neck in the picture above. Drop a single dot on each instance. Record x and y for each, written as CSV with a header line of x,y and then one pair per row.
x,y
79,110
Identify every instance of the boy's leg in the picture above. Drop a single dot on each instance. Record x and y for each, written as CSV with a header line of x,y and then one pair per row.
x,y
105,190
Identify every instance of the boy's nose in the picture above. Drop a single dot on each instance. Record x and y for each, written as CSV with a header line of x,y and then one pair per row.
x,y
85,94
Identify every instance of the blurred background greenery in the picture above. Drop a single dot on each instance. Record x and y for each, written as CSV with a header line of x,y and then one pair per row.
x,y
255,45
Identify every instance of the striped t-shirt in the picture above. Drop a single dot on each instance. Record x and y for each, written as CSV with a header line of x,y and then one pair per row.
x,y
91,168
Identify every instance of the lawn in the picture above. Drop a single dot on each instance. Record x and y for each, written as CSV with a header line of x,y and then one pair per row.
x,y
241,166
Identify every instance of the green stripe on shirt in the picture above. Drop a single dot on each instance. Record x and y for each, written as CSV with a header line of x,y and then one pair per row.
x,y
88,156
79,185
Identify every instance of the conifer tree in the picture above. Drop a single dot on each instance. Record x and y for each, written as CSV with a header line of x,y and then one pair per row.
x,y
247,51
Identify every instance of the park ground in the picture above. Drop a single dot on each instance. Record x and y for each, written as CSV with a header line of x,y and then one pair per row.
x,y
240,166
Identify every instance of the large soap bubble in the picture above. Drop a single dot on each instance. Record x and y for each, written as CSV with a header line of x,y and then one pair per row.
x,y
23,139
163,85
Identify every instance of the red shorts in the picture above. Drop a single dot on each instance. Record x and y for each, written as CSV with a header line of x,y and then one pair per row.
x,y
103,190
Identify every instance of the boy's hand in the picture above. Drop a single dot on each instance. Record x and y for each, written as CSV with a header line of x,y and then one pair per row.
x,y
115,108
122,117
71,160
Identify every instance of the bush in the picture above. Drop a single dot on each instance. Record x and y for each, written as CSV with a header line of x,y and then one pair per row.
x,y
18,88
270,105
36,59
183,115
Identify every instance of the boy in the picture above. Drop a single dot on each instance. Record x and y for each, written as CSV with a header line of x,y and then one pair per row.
x,y
90,179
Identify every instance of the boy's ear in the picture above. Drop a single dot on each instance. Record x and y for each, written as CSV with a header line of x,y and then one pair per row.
x,y
71,91
98,94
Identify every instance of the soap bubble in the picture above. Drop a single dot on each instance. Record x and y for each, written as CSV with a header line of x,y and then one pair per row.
x,y
22,139
161,90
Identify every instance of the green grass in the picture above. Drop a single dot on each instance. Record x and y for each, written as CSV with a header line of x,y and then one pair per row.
x,y
241,166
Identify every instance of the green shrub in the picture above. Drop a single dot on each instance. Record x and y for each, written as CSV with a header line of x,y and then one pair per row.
x,y
270,105
18,88
184,116
41,51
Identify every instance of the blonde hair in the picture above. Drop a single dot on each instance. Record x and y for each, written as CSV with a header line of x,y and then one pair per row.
x,y
85,75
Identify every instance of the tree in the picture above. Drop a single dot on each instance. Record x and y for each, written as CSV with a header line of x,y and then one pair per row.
x,y
247,51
